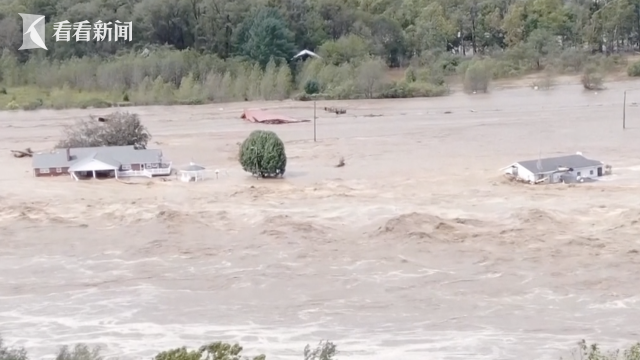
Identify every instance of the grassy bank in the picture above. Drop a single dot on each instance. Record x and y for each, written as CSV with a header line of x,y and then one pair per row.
x,y
171,77
32,98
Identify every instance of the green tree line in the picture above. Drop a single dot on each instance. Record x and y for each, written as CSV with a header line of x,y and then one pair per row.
x,y
325,350
194,51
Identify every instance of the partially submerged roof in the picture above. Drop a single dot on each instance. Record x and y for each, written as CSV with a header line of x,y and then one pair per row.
x,y
267,117
192,167
115,154
95,162
552,164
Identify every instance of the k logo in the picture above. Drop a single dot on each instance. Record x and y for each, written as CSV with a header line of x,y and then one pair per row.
x,y
32,32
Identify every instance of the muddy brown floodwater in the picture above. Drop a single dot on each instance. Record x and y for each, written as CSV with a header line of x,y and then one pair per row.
x,y
416,249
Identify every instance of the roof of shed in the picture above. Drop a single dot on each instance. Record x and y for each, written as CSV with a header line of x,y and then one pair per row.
x,y
552,164
119,154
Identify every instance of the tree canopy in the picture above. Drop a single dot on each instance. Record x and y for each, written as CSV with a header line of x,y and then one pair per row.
x,y
263,154
201,51
393,30
116,129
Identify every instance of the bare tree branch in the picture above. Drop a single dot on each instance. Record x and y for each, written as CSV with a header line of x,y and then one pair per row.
x,y
116,129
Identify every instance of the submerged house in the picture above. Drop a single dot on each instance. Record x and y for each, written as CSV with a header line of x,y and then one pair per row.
x,y
569,168
107,161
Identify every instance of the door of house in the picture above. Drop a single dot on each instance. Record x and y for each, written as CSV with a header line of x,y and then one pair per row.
x,y
141,166
599,171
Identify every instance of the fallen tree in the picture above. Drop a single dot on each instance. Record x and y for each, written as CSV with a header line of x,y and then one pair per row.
x,y
22,153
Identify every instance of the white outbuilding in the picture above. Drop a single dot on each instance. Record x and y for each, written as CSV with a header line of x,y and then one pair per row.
x,y
192,172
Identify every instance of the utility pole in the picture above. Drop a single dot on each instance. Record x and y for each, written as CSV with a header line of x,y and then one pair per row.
x,y
624,111
314,121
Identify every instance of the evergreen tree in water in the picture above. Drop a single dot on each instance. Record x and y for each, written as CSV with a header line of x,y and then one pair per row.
x,y
262,154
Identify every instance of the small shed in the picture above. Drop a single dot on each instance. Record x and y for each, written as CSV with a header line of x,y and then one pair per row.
x,y
192,172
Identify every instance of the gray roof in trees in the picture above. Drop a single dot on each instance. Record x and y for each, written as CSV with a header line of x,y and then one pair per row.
x,y
552,164
126,155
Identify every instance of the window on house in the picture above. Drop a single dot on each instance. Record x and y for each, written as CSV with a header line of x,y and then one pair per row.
x,y
590,172
579,174
58,170
44,171
126,167
540,176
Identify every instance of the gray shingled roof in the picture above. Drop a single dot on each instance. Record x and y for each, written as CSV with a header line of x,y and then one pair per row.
x,y
192,167
89,163
552,164
113,154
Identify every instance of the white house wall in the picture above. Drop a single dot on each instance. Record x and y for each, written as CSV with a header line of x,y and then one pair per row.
x,y
590,172
523,173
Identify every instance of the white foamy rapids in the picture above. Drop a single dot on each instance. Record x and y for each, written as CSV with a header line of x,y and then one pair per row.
x,y
434,307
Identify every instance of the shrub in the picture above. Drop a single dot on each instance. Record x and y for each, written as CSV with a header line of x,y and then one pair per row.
x,y
311,87
118,129
547,81
592,78
593,352
325,350
572,61
95,104
634,69
12,354
370,77
477,76
302,97
13,105
263,154
404,89
214,351
33,105
79,352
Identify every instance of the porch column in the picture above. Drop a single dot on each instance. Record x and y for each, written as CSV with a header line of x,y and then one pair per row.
x,y
116,172
94,174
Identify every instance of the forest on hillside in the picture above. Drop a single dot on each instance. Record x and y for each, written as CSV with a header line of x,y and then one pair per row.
x,y
194,51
